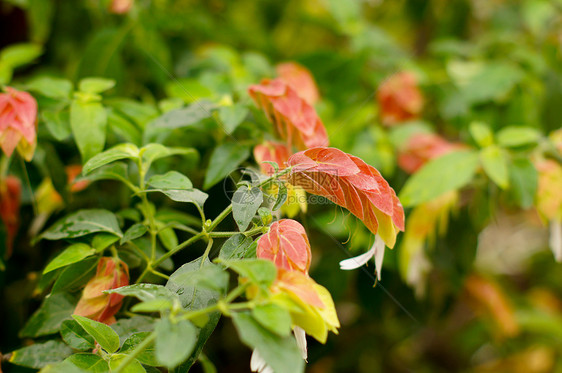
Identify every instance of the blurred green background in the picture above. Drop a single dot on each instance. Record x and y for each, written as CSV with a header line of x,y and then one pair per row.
x,y
492,299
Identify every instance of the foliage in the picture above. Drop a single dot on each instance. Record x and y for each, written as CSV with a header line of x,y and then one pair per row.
x,y
155,154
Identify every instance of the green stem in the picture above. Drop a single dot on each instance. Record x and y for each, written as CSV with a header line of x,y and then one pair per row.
x,y
193,239
136,352
206,253
248,233
220,218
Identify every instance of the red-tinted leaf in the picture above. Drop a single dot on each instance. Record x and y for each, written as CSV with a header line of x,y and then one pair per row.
x,y
296,120
351,183
18,122
272,152
423,147
10,199
399,98
286,245
300,79
111,273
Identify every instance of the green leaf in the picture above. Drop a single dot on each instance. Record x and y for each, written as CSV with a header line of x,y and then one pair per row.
x,y
75,336
103,334
523,181
62,367
81,223
136,324
16,55
273,318
494,161
517,136
89,362
102,241
170,180
224,160
245,204
147,356
133,367
441,175
152,152
88,121
280,353
231,116
95,85
115,171
48,318
493,82
57,122
481,133
174,341
40,354
235,247
51,87
193,298
281,197
124,128
210,277
145,292
168,237
188,196
134,232
183,117
259,271
121,151
75,276
72,254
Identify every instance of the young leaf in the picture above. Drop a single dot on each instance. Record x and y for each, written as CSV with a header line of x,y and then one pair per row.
x,y
103,334
174,342
72,254
40,354
88,121
121,151
224,160
245,204
170,180
494,161
280,353
449,172
481,133
95,85
235,247
75,336
81,223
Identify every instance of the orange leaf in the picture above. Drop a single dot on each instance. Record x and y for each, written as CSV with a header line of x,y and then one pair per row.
x,y
295,119
399,98
286,245
351,183
300,79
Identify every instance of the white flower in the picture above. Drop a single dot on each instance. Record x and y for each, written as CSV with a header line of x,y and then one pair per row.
x,y
300,336
556,239
258,364
377,251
